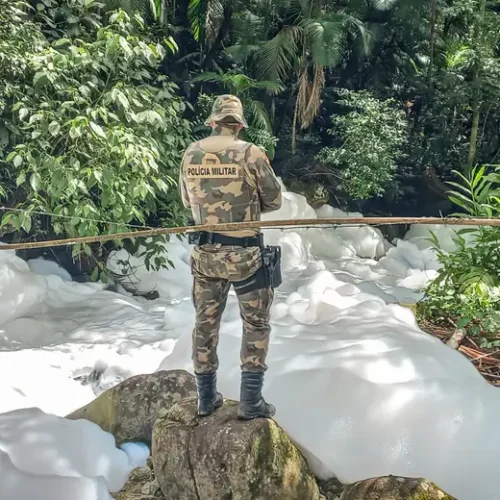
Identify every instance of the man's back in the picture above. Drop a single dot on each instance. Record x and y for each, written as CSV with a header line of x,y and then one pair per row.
x,y
224,179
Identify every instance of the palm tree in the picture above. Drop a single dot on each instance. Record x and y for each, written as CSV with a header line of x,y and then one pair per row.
x,y
311,39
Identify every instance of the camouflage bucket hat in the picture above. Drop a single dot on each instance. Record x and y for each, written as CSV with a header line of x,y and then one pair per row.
x,y
227,106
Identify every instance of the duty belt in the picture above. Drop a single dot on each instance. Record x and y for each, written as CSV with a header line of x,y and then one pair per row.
x,y
204,238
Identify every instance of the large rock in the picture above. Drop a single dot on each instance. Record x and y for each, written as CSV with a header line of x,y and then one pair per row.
x,y
129,410
222,458
331,488
394,488
141,485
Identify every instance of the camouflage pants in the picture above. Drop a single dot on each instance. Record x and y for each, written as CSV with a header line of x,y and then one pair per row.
x,y
213,273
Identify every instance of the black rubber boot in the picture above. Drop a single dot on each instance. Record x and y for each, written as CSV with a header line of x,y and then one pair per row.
x,y
208,397
252,404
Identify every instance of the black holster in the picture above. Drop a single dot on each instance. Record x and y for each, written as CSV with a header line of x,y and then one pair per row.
x,y
271,258
268,275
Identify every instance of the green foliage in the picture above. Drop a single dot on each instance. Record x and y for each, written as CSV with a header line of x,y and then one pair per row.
x,y
371,135
98,134
197,11
75,18
18,37
467,288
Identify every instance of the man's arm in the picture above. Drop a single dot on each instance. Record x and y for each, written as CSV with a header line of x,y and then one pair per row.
x,y
182,185
267,184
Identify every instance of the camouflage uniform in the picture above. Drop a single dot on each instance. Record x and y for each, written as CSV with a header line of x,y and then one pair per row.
x,y
224,179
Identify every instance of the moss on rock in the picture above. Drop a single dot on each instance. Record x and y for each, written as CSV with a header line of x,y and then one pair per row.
x,y
220,457
130,409
394,488
141,485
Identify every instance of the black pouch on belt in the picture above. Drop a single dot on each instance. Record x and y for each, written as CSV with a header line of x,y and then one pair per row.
x,y
271,257
268,275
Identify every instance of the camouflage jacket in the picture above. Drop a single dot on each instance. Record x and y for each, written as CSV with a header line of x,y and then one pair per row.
x,y
224,179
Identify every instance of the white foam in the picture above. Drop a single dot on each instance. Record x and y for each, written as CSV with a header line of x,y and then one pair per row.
x,y
47,268
356,383
44,456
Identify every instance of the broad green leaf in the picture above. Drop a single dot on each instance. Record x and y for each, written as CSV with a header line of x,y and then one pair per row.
x,y
461,200
21,179
54,128
121,98
62,42
6,219
26,222
75,132
35,118
478,176
97,129
18,160
85,91
35,181
95,274
461,187
40,78
463,322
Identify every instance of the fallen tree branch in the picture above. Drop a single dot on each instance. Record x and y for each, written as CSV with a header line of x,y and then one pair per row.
x,y
254,225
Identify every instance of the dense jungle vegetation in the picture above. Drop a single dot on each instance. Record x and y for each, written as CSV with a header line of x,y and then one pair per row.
x,y
379,106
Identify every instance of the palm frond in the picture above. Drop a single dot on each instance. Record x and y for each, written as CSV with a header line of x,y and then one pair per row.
x,y
295,9
259,115
326,39
248,27
276,57
309,8
146,8
209,77
384,4
238,83
241,52
362,32
197,14
269,86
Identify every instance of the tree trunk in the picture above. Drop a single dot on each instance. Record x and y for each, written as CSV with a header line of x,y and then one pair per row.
x,y
294,126
433,42
476,87
476,108
224,30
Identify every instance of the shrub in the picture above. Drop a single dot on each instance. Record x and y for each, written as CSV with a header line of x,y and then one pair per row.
x,y
467,289
372,134
97,134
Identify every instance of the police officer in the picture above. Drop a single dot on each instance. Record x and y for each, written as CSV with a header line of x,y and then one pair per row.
x,y
222,180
